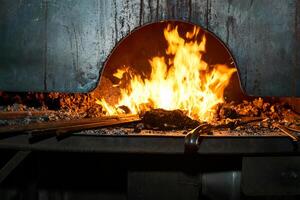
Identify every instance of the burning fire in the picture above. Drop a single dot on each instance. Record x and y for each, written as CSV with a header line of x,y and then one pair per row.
x,y
183,82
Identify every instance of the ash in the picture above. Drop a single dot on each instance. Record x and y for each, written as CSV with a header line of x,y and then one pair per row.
x,y
125,131
105,131
23,121
248,132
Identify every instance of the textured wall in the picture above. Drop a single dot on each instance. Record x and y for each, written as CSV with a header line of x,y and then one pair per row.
x,y
60,45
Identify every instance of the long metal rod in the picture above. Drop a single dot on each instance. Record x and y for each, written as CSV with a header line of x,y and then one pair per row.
x,y
293,129
65,123
12,164
287,132
36,135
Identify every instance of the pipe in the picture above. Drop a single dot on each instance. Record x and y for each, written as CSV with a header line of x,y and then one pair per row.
x,y
223,185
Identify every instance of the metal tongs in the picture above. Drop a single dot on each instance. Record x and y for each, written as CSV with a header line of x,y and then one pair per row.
x,y
195,136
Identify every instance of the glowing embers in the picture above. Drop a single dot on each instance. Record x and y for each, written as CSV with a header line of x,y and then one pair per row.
x,y
180,80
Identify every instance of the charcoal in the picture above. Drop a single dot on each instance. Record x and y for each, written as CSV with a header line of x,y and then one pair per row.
x,y
259,103
164,119
125,109
227,112
139,127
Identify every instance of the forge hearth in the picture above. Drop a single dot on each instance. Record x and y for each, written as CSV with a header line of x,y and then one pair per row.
x,y
182,78
180,82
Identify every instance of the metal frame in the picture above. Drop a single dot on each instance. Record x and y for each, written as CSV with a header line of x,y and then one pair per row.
x,y
155,144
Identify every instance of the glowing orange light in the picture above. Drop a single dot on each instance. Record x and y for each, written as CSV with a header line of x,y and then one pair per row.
x,y
184,82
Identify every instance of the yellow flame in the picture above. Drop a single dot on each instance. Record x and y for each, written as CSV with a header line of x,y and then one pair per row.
x,y
185,82
120,72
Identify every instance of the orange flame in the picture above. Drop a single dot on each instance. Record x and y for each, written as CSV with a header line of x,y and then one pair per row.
x,y
184,82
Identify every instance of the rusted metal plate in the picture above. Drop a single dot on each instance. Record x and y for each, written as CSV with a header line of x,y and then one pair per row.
x,y
22,45
261,36
53,45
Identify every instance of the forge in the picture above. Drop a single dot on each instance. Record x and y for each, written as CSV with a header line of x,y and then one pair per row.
x,y
170,78
168,101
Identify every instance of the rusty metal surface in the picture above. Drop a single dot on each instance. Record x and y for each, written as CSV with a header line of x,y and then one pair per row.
x,y
53,45
261,35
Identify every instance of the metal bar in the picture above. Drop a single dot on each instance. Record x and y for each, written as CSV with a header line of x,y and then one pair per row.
x,y
239,145
288,133
293,129
61,132
65,123
12,164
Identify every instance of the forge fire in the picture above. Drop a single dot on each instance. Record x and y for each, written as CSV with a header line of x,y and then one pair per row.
x,y
181,80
